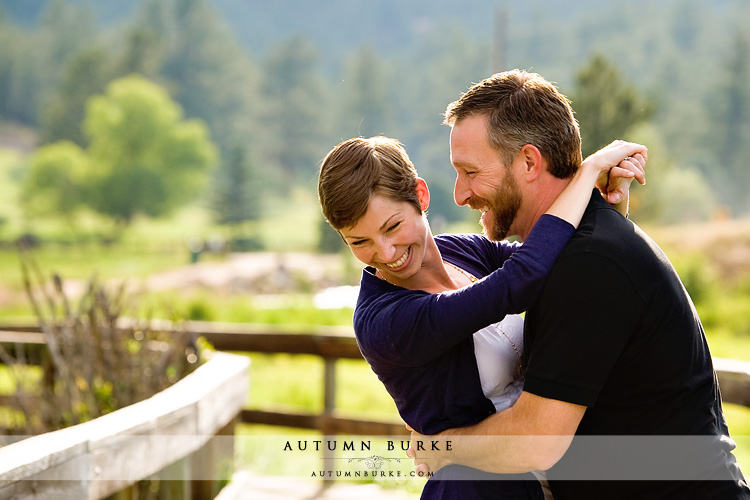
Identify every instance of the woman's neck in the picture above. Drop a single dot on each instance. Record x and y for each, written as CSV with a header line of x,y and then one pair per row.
x,y
435,275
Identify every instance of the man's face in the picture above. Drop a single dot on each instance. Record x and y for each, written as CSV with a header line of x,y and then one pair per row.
x,y
482,180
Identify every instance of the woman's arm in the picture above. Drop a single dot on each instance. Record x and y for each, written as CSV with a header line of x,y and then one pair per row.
x,y
412,327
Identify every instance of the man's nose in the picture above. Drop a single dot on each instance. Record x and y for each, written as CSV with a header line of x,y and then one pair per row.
x,y
461,192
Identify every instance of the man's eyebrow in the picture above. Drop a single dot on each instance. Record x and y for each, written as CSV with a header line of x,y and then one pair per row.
x,y
461,164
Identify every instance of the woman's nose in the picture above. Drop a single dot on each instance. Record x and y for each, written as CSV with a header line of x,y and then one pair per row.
x,y
386,250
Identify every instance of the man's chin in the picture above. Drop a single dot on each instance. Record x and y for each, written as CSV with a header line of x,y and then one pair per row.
x,y
493,232
486,231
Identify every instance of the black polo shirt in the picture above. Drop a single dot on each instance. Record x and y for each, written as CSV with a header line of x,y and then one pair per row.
x,y
615,331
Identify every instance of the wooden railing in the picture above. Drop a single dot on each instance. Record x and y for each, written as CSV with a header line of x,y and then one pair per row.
x,y
331,344
180,436
336,343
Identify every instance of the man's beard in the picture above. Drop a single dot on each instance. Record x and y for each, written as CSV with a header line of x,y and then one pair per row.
x,y
504,206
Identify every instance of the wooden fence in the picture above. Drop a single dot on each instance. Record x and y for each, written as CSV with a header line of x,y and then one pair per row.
x,y
335,343
180,436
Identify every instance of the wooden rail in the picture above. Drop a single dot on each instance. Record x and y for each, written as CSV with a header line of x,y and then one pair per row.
x,y
177,434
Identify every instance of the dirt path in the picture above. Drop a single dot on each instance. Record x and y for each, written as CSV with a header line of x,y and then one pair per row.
x,y
263,272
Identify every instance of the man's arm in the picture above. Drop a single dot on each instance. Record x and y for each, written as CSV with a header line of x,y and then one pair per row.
x,y
531,435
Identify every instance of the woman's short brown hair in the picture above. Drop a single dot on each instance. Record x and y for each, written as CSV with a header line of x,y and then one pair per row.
x,y
524,108
358,168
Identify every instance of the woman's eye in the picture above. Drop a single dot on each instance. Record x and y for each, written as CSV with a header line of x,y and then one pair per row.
x,y
394,226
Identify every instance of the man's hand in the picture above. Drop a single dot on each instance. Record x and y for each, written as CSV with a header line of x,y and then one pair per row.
x,y
430,453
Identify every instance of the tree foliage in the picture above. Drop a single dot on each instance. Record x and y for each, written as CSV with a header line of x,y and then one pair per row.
x,y
236,196
731,116
143,157
673,194
200,59
366,107
86,74
296,128
146,158
393,72
56,180
606,105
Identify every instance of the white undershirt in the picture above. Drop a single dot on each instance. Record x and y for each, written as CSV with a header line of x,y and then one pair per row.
x,y
498,360
498,349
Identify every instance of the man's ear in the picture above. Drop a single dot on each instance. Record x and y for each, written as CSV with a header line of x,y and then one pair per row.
x,y
423,194
533,162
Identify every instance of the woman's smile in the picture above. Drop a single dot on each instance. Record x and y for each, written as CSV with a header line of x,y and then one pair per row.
x,y
397,264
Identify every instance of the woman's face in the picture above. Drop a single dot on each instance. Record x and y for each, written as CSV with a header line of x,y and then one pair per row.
x,y
391,237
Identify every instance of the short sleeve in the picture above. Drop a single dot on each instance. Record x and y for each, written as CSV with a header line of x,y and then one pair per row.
x,y
579,328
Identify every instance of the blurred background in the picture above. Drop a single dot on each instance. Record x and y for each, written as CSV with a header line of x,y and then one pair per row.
x,y
174,144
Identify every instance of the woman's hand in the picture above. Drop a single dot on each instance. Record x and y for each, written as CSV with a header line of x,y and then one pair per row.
x,y
611,169
617,164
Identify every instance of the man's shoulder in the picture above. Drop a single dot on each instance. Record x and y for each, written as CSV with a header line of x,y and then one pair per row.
x,y
603,229
612,245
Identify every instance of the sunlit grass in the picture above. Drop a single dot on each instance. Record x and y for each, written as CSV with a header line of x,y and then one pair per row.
x,y
291,223
738,421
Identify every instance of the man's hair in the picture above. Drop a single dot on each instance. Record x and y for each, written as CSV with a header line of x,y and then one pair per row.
x,y
358,168
523,108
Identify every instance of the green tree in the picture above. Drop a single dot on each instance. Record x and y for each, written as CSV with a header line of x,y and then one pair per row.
x,y
606,105
87,73
675,192
296,124
236,197
732,119
195,52
367,100
64,30
143,53
19,75
329,240
145,158
55,180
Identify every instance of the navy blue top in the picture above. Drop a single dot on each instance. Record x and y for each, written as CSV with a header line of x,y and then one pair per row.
x,y
420,344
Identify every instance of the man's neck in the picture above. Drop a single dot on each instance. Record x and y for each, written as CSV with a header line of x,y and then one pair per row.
x,y
537,202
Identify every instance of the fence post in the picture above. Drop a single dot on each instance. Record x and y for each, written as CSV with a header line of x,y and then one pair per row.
x,y
329,405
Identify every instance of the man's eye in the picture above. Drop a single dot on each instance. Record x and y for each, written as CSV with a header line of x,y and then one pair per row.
x,y
357,243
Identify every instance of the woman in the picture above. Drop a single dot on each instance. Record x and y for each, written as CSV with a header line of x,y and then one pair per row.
x,y
430,315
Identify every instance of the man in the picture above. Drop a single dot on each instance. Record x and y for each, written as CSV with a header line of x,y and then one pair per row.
x,y
614,350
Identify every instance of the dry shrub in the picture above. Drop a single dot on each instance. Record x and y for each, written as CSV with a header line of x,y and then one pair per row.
x,y
95,360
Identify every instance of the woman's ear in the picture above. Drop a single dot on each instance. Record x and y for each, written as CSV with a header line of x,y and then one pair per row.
x,y
423,194
533,164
